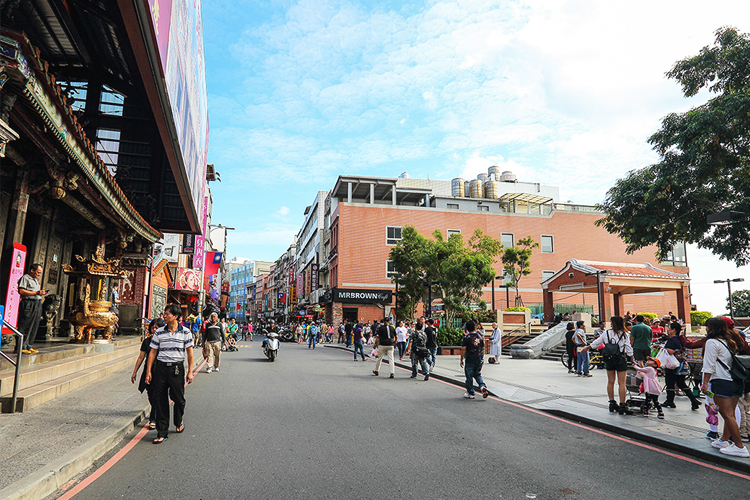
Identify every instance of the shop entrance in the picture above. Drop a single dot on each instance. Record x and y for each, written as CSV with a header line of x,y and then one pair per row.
x,y
350,314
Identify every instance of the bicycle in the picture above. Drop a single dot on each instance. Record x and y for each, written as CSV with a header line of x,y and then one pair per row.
x,y
595,360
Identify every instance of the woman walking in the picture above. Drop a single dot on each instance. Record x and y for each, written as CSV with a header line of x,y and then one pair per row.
x,y
145,349
358,344
672,377
717,359
617,352
402,333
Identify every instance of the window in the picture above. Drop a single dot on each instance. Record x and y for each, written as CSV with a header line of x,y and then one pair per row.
x,y
392,235
507,240
548,244
112,102
76,92
453,231
547,275
676,256
483,208
108,147
453,206
390,269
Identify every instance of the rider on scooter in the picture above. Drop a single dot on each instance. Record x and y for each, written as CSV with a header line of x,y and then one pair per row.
x,y
271,328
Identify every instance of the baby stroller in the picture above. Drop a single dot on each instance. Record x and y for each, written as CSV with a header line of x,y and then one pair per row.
x,y
636,398
231,344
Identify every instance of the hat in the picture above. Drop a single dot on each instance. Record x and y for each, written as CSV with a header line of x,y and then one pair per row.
x,y
655,360
729,321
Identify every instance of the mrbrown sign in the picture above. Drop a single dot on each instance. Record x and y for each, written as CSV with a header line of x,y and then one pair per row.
x,y
354,296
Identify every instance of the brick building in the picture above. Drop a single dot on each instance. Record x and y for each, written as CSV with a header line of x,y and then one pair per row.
x,y
368,213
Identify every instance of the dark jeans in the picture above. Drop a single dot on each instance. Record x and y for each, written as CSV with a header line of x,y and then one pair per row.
x,y
401,348
670,380
473,371
168,385
422,362
358,347
341,338
349,337
29,316
433,355
152,401
571,356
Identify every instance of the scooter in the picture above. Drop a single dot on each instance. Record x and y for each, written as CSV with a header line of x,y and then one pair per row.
x,y
271,345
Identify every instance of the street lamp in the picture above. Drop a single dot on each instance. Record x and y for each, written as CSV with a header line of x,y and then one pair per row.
x,y
729,289
429,284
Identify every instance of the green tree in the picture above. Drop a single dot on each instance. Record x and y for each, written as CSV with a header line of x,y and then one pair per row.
x,y
458,270
740,303
517,263
703,167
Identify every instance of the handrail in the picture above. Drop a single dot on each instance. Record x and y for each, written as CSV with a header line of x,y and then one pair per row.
x,y
524,326
16,362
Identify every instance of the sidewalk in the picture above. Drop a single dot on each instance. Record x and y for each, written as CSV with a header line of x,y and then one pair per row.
x,y
547,386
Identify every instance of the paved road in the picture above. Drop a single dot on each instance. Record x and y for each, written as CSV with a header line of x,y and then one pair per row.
x,y
316,424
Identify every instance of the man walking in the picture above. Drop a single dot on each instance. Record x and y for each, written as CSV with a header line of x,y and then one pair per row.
x,y
384,344
431,342
30,312
472,350
348,328
312,335
213,337
341,334
170,346
640,338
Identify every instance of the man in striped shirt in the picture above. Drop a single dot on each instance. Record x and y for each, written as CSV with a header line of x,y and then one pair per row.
x,y
170,346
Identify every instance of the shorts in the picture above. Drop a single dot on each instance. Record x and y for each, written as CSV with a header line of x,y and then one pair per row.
x,y
641,354
617,363
727,388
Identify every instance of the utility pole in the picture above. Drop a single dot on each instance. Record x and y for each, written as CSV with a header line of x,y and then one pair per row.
x,y
729,290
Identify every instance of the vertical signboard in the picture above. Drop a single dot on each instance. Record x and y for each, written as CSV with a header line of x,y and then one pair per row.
x,y
314,277
12,298
300,283
308,283
188,244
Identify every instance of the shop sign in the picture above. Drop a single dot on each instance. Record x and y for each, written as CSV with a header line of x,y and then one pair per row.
x,y
308,282
300,283
355,296
187,279
314,277
13,299
188,244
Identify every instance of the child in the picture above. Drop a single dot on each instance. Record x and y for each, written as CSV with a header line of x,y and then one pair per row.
x,y
650,385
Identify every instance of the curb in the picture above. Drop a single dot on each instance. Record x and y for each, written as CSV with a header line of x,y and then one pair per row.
x,y
714,458
706,456
53,476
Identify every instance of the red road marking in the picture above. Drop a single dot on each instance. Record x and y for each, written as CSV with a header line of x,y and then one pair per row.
x,y
609,434
112,461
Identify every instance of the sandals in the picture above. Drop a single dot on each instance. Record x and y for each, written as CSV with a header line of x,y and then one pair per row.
x,y
180,429
151,425
159,440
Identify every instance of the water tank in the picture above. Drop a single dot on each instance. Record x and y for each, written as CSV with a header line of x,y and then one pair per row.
x,y
491,190
494,173
403,175
457,188
475,188
508,176
482,177
467,189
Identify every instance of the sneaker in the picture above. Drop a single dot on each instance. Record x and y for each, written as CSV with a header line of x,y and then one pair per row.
x,y
209,370
33,351
468,396
427,377
746,438
216,369
719,444
660,415
712,435
485,392
26,351
734,451
668,405
645,413
413,376
571,371
587,375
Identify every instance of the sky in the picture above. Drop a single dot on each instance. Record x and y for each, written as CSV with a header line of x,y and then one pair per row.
x,y
562,92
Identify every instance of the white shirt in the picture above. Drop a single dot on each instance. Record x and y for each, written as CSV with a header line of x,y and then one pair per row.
x,y
622,339
714,351
401,333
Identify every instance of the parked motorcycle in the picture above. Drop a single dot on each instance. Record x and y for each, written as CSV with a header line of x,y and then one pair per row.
x,y
271,345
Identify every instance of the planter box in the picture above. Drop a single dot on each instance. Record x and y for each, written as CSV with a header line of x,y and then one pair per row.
x,y
449,350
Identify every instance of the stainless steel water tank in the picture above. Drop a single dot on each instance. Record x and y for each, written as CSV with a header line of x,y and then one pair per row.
x,y
482,177
457,188
494,173
467,189
476,190
491,190
508,176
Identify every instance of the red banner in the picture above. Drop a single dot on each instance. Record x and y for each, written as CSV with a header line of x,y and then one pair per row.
x,y
12,298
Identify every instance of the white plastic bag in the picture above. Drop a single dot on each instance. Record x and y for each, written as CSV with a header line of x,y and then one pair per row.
x,y
374,353
668,361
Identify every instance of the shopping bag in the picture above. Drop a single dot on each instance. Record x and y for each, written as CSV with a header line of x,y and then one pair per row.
x,y
374,353
668,361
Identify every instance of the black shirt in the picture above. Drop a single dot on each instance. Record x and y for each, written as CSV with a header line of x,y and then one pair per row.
x,y
673,343
386,335
431,337
348,328
212,333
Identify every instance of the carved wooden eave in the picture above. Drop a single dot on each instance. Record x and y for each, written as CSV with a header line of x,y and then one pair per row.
x,y
22,62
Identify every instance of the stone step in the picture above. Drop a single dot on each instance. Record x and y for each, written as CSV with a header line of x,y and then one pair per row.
x,y
40,373
62,351
41,393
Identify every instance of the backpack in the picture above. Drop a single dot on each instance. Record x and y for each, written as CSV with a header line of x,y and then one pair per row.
x,y
611,349
740,369
420,344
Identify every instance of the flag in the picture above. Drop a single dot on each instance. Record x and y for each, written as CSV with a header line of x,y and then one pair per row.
x,y
213,260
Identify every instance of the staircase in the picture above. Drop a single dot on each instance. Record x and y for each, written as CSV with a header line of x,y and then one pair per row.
x,y
554,354
535,331
50,374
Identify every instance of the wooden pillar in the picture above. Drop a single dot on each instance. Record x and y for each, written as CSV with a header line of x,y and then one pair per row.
x,y
683,304
19,206
606,301
549,305
619,304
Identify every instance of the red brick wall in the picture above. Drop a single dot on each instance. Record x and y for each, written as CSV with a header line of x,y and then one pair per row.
x,y
362,250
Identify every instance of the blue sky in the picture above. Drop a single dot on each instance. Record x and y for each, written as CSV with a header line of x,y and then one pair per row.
x,y
561,92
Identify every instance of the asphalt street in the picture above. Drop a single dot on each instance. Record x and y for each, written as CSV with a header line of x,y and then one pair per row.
x,y
316,424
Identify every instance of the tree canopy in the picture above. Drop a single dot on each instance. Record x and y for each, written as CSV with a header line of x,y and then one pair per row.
x,y
740,303
517,263
458,270
703,167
